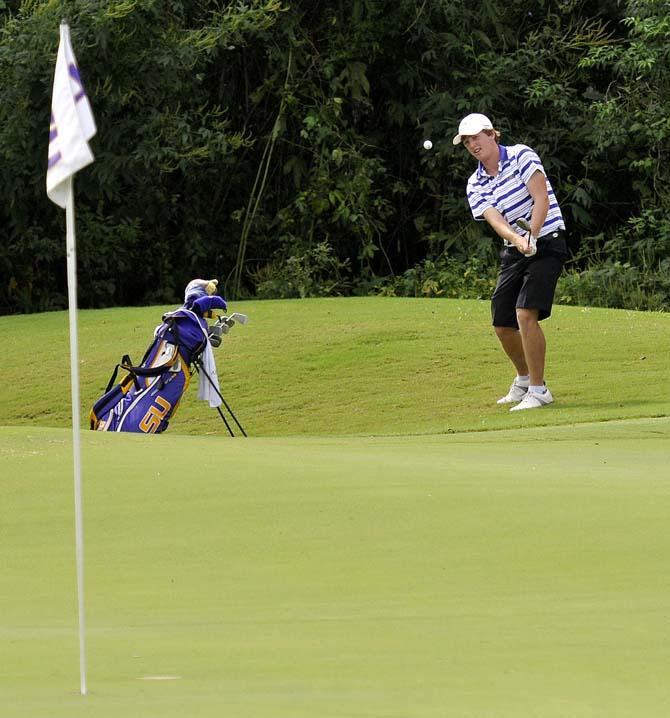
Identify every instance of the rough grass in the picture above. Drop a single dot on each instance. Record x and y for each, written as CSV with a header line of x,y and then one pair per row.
x,y
355,366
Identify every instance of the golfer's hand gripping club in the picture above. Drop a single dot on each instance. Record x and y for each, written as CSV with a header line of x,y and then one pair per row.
x,y
531,242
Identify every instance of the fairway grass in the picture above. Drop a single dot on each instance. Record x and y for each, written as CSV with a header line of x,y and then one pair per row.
x,y
454,576
367,365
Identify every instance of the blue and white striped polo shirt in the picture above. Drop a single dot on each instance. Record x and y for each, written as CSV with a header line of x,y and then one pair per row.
x,y
508,192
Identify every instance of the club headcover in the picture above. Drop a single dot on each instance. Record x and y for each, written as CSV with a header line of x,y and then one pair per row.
x,y
205,306
199,288
201,297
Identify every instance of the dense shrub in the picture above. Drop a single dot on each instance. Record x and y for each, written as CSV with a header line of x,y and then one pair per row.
x,y
617,285
277,144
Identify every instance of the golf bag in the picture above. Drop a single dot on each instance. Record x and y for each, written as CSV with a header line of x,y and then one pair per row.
x,y
147,397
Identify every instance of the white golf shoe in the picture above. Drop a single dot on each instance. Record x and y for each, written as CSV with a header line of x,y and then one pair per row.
x,y
515,394
533,400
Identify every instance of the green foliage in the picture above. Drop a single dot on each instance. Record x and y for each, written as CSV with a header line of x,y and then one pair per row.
x,y
151,205
235,138
315,272
617,284
632,134
444,277
629,270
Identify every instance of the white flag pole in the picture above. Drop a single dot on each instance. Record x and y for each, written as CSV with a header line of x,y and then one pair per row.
x,y
71,250
72,125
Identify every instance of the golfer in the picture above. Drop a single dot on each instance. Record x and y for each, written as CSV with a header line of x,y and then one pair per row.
x,y
510,190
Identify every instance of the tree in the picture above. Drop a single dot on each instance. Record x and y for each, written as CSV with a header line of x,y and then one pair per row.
x,y
277,143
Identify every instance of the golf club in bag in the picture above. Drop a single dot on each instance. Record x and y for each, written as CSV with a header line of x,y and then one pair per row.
x,y
148,396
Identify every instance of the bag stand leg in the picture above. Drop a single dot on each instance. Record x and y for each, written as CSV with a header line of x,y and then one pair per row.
x,y
200,368
221,414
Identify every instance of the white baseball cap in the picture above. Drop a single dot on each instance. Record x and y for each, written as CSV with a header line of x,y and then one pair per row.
x,y
472,125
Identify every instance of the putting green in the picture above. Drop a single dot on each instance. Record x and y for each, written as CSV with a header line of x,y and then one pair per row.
x,y
500,574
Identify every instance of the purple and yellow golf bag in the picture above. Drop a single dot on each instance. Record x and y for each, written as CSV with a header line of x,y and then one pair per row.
x,y
149,394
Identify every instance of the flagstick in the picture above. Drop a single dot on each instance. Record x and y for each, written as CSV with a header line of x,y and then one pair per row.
x,y
76,447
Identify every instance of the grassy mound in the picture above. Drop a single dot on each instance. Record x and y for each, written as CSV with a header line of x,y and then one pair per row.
x,y
355,366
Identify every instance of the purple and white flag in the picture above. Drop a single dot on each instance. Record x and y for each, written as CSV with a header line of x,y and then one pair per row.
x,y
72,123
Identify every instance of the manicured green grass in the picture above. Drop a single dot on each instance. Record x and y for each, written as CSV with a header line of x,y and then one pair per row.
x,y
387,543
453,576
359,365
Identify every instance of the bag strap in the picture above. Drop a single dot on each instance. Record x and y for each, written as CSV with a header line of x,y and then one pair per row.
x,y
136,371
125,360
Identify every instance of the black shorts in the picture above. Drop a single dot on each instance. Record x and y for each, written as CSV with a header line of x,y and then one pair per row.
x,y
528,282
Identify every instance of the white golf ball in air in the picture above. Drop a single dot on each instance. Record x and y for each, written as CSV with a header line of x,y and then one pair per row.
x,y
427,145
